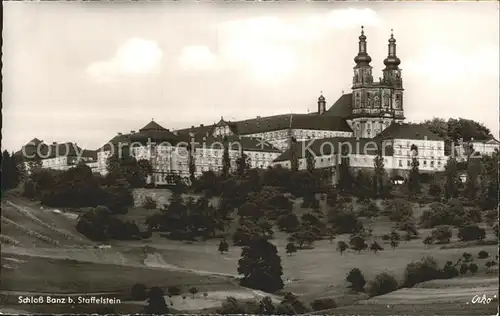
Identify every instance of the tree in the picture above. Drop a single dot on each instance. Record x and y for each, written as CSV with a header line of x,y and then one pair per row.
x,y
424,270
375,247
288,223
243,164
379,173
223,246
399,210
342,246
226,163
156,302
260,266
428,241
483,254
473,268
450,187
394,244
174,290
435,191
266,306
193,291
369,209
310,161
294,160
414,177
356,279
305,235
290,248
471,232
442,234
139,292
382,284
191,163
358,243
291,306
464,268
10,172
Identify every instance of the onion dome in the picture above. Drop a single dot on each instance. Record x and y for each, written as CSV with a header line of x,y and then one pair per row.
x,y
392,61
362,58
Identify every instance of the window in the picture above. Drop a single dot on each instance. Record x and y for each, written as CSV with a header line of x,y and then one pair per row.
x,y
401,163
408,163
432,163
425,163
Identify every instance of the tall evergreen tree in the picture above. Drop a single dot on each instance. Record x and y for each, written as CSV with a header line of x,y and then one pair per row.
x,y
242,163
226,162
294,159
260,266
378,181
450,186
414,177
191,164
10,172
310,161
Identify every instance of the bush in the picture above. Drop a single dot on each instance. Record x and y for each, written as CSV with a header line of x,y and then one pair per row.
x,y
174,291
473,268
139,292
449,271
149,203
344,220
483,254
399,210
323,303
442,234
382,284
471,232
424,270
369,209
357,280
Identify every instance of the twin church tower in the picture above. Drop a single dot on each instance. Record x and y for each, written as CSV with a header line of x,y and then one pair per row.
x,y
375,105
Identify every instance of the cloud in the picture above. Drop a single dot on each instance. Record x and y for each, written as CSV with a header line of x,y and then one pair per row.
x,y
269,46
443,65
197,57
135,56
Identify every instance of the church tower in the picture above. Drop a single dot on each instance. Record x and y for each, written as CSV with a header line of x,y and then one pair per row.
x,y
392,78
375,105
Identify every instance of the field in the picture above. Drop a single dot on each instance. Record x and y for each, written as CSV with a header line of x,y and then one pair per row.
x,y
75,265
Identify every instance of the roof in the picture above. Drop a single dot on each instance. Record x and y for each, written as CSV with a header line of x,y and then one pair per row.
x,y
408,131
115,141
342,107
152,126
246,143
275,123
334,145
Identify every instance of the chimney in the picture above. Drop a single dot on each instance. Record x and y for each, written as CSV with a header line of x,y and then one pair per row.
x,y
201,125
258,117
54,143
119,134
192,126
132,132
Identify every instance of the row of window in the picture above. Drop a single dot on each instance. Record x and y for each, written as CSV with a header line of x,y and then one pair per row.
x,y
431,163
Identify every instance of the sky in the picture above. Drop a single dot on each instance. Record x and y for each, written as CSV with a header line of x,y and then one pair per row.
x,y
84,71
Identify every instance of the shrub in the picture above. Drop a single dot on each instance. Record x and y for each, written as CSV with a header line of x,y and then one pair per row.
x,y
344,220
323,303
382,284
291,248
483,254
449,271
471,232
369,209
357,280
442,234
473,268
149,203
424,270
139,292
174,290
358,243
399,210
